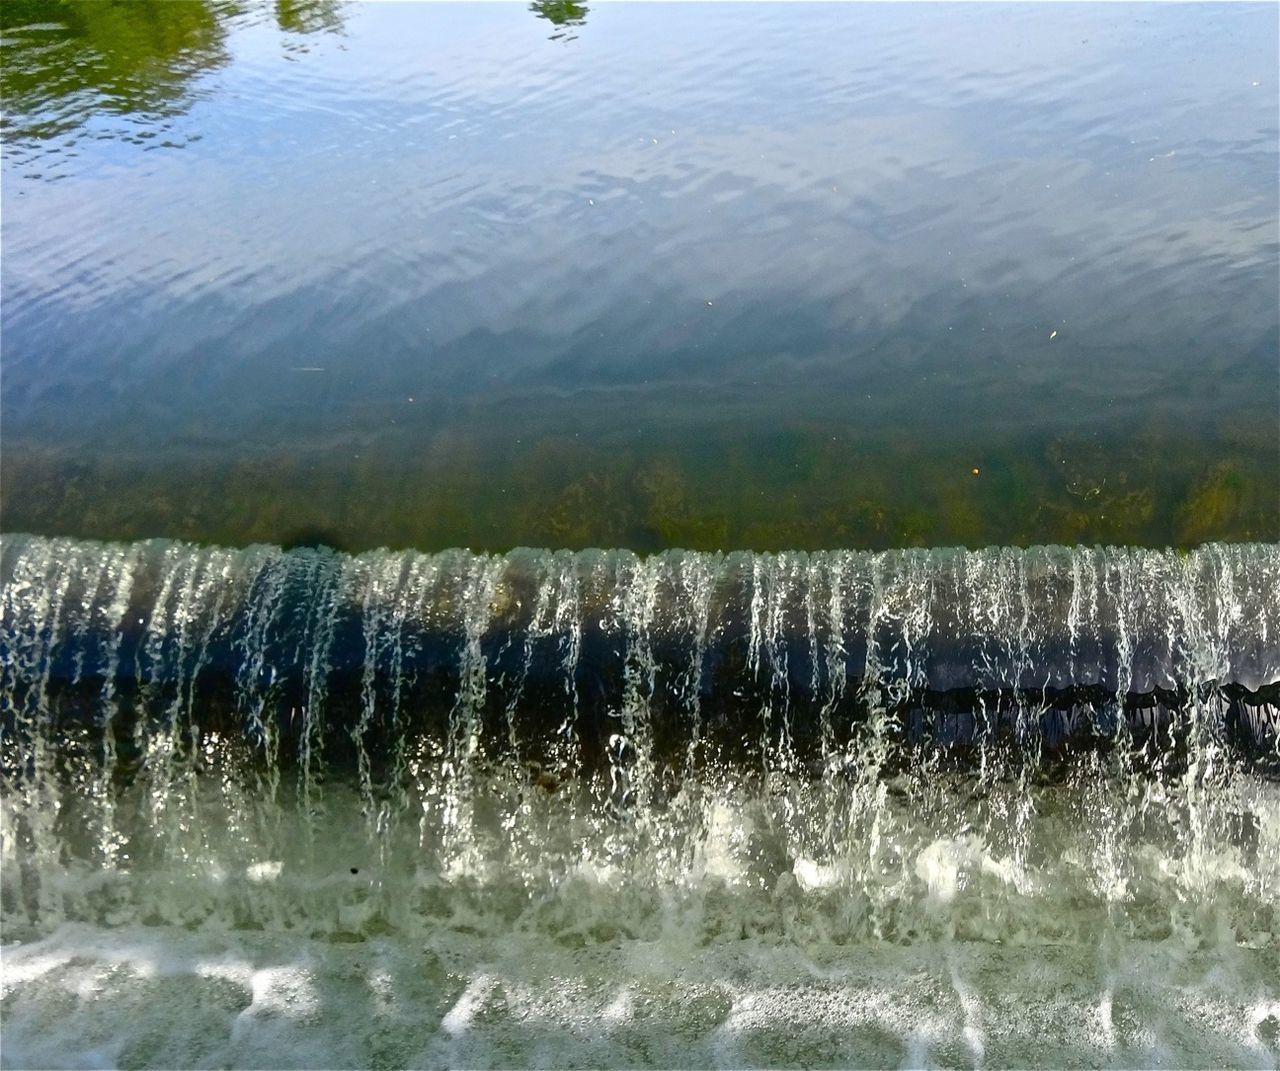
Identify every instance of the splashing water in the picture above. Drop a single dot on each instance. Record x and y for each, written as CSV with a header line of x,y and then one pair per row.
x,y
921,807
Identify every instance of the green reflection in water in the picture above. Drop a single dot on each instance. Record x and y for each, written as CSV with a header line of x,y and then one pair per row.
x,y
309,16
562,14
67,61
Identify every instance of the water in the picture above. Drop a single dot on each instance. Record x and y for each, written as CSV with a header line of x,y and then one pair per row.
x,y
778,277
725,289
980,808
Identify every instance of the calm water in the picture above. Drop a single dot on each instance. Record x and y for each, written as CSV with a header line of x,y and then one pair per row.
x,y
703,276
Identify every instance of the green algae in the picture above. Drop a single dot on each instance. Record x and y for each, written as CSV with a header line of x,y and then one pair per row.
x,y
801,488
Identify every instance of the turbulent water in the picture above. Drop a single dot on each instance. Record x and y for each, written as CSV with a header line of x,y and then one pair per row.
x,y
913,808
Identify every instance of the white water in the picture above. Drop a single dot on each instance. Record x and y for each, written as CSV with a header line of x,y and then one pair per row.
x,y
189,891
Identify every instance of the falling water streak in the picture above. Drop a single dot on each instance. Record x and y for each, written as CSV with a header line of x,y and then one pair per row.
x,y
252,697
694,581
423,576
697,584
631,749
568,623
373,606
836,654
219,570
866,801
380,586
119,567
480,581
43,803
1208,633
538,630
172,749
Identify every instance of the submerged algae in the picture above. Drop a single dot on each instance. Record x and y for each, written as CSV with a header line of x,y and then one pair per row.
x,y
808,488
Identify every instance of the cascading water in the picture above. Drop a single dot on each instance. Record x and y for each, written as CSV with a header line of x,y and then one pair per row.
x,y
920,807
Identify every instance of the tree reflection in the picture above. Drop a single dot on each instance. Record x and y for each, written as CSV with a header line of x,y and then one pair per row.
x,y
562,14
67,60
309,16
64,62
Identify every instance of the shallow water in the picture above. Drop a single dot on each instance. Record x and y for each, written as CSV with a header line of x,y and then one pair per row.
x,y
754,955
699,276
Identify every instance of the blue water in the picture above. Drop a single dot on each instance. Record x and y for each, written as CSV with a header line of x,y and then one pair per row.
x,y
698,275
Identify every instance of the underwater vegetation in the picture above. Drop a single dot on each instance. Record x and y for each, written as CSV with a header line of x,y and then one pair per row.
x,y
802,489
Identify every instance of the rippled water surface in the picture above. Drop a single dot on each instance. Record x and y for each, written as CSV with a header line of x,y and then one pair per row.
x,y
706,276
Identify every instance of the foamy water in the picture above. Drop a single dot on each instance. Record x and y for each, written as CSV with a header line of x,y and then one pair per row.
x,y
469,811
1079,939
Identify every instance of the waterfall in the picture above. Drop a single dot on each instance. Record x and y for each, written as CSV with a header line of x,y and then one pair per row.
x,y
326,661
1076,749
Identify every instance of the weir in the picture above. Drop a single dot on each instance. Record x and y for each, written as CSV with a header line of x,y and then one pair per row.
x,y
566,660
556,274
530,784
